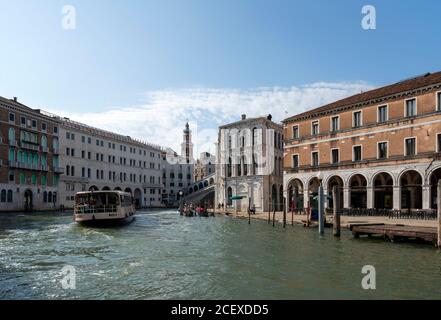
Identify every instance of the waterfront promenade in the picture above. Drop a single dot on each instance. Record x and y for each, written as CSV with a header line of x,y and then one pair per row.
x,y
345,220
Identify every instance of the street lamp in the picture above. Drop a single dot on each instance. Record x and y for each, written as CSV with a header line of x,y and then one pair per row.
x,y
180,193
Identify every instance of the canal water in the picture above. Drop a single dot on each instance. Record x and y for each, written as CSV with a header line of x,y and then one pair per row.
x,y
162,255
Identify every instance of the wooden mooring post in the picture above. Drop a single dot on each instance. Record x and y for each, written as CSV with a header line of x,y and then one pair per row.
x,y
269,213
284,213
439,213
321,210
274,216
336,219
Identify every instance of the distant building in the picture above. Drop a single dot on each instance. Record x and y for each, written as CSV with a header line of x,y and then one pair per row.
x,y
381,147
178,171
249,165
29,158
205,166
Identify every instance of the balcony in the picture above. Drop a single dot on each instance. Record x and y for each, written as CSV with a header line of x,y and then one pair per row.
x,y
59,170
27,166
30,146
56,150
13,143
44,149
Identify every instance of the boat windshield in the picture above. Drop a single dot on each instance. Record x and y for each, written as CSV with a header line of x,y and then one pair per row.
x,y
97,202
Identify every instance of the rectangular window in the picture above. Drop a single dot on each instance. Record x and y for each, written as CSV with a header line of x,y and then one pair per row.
x,y
410,146
295,161
438,142
411,108
334,124
438,101
382,150
382,114
315,159
34,124
315,128
83,139
357,119
68,135
12,117
55,130
357,153
23,121
43,126
295,132
335,156
89,140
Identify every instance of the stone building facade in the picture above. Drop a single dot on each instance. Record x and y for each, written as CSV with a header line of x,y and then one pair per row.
x,y
178,171
249,165
29,158
95,159
204,166
381,147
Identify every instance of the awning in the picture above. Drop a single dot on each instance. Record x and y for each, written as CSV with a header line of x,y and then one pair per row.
x,y
237,197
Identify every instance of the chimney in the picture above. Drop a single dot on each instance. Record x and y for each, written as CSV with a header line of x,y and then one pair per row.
x,y
270,117
15,99
244,116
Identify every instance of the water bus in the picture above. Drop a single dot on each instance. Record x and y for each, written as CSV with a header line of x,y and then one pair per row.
x,y
103,207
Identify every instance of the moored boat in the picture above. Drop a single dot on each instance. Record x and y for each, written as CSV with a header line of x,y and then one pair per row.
x,y
103,207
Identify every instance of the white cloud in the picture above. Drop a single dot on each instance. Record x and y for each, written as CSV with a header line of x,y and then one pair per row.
x,y
161,117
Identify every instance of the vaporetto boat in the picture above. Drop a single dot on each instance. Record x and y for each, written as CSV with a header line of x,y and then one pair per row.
x,y
103,207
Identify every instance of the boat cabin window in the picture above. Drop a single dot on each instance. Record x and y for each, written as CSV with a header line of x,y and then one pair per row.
x,y
97,199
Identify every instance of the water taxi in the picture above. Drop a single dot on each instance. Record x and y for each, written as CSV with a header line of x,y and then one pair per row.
x,y
103,207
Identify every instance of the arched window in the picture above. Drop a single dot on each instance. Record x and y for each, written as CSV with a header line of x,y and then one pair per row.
x,y
9,196
229,173
3,196
11,134
239,168
43,141
229,196
49,197
245,166
44,196
254,136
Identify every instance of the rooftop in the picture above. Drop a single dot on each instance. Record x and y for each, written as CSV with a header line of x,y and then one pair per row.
x,y
371,96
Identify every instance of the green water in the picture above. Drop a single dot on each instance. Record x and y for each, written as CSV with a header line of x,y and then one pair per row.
x,y
164,256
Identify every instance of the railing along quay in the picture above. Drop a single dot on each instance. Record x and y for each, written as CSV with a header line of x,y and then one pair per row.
x,y
416,214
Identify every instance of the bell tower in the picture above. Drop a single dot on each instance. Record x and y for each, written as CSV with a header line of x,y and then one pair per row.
x,y
187,145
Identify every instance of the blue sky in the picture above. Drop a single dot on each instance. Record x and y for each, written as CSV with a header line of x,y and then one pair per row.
x,y
157,63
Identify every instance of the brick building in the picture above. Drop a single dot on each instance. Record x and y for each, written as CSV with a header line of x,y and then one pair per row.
x,y
29,158
381,147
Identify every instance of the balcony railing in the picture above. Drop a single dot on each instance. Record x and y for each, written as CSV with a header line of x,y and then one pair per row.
x,y
56,150
13,143
59,170
30,146
45,149
27,166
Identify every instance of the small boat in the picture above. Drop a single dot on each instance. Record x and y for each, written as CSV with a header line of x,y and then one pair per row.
x,y
103,208
202,212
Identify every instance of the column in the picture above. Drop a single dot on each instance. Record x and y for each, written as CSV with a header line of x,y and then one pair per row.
x,y
346,197
325,199
397,198
305,198
426,197
370,197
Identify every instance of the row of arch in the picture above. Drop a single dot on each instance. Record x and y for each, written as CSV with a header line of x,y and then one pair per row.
x,y
382,184
201,185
